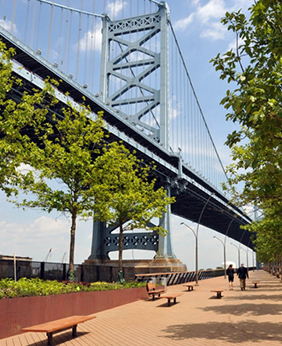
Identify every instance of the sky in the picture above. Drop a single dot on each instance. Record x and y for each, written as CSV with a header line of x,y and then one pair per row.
x,y
201,36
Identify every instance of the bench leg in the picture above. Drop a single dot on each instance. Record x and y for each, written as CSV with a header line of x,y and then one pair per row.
x,y
174,300
74,329
256,286
50,339
218,294
168,302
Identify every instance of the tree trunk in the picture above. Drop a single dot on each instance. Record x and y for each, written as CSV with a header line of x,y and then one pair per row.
x,y
72,241
120,248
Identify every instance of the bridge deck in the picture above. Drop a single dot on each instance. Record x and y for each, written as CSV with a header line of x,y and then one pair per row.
x,y
198,318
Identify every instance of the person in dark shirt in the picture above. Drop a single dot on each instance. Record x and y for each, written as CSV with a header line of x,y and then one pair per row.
x,y
242,273
230,273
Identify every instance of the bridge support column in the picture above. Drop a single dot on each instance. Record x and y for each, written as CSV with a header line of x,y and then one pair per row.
x,y
165,248
98,250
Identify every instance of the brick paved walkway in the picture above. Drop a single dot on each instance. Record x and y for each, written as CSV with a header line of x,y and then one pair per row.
x,y
251,317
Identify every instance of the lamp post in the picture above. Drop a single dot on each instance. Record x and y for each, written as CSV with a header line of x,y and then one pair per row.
x,y
246,258
196,236
196,249
224,255
253,260
238,248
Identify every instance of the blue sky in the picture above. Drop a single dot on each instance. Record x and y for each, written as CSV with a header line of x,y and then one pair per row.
x,y
201,36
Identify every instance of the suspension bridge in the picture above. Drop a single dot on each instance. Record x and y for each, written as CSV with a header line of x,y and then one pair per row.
x,y
124,58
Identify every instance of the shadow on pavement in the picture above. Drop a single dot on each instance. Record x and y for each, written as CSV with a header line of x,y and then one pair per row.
x,y
228,332
276,297
248,309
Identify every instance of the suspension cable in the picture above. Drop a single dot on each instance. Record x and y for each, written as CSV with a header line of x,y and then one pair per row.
x,y
197,101
72,9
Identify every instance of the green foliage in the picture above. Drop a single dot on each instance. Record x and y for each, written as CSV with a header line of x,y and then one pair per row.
x,y
254,67
37,287
62,174
15,117
125,192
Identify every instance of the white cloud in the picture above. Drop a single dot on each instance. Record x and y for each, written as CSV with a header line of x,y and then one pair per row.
x,y
207,18
92,40
216,31
214,9
114,8
182,24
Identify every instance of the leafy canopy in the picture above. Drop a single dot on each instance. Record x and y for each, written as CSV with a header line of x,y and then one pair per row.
x,y
254,68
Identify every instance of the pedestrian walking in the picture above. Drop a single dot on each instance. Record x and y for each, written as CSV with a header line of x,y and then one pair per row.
x,y
230,272
242,273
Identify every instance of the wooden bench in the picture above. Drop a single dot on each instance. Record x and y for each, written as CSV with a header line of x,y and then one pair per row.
x,y
153,291
58,325
190,287
170,296
218,292
255,283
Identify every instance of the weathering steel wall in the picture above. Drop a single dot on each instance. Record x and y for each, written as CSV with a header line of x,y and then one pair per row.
x,y
17,313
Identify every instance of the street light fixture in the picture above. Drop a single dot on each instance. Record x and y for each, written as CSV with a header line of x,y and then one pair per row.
x,y
238,248
196,250
196,236
246,258
224,255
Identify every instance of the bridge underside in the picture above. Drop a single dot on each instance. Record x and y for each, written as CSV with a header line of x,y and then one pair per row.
x,y
191,194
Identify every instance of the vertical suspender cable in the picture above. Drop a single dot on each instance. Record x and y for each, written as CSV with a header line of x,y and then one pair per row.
x,y
38,29
66,40
120,85
50,32
93,48
182,95
33,23
171,101
86,49
26,21
13,16
60,39
79,43
186,124
69,43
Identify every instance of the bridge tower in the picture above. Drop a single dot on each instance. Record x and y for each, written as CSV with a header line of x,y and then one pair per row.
x,y
135,52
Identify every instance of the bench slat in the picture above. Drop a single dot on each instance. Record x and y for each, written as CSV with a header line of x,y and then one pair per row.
x,y
152,290
64,323
170,296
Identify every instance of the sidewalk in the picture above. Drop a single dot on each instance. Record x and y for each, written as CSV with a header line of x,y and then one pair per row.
x,y
249,317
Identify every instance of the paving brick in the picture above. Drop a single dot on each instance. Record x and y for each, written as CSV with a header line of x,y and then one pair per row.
x,y
197,319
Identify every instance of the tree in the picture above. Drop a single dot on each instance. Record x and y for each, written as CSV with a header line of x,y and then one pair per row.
x,y
254,66
125,192
255,103
63,178
15,118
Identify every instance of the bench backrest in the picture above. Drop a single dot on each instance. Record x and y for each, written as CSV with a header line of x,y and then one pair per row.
x,y
151,286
